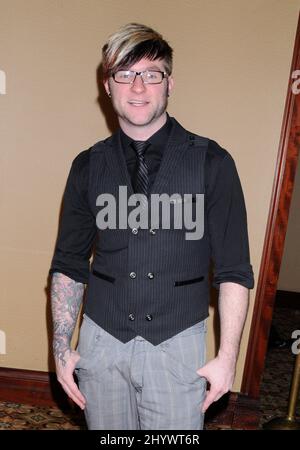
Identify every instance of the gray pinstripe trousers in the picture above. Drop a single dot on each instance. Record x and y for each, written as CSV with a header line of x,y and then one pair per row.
x,y
140,386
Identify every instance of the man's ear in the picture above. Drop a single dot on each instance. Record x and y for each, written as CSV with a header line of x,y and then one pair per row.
x,y
106,87
170,84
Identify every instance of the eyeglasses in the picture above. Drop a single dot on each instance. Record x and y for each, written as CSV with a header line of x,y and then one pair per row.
x,y
148,76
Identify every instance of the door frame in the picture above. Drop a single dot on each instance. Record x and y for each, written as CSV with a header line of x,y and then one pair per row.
x,y
276,229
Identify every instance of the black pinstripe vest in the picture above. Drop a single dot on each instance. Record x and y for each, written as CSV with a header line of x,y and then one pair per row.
x,y
149,282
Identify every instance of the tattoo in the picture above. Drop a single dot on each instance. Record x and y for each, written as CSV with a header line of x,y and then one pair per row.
x,y
66,298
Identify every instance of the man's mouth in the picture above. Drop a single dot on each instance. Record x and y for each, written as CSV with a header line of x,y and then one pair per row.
x,y
138,103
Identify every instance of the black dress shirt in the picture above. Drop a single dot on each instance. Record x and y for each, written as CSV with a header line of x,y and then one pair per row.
x,y
153,154
78,228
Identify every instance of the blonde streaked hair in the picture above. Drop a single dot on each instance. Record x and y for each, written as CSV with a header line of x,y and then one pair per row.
x,y
130,44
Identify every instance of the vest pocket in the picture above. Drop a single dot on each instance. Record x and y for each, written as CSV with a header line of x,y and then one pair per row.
x,y
191,281
103,276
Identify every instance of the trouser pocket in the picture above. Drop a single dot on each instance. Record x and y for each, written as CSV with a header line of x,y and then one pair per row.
x,y
185,353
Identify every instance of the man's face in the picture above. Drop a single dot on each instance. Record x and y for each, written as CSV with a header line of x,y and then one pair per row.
x,y
138,104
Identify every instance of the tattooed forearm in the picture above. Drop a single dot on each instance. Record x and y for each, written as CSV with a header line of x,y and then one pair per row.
x,y
66,298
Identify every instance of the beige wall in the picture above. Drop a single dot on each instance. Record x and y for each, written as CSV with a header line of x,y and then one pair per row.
x,y
289,279
232,62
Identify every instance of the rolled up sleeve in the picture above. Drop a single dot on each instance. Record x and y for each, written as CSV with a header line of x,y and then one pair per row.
x,y
77,227
227,222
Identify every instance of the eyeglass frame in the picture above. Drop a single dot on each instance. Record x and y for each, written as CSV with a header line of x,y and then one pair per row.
x,y
164,75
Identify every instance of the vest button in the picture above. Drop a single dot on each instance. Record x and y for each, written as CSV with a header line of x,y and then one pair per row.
x,y
149,317
150,275
134,230
131,316
132,274
152,231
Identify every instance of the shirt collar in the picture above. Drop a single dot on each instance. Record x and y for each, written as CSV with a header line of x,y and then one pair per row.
x,y
159,138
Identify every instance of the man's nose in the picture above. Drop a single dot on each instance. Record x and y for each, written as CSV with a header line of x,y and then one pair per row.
x,y
138,84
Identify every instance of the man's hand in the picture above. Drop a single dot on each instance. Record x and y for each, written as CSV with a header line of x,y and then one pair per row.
x,y
220,373
64,371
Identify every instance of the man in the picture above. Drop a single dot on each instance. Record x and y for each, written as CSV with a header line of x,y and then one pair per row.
x,y
140,361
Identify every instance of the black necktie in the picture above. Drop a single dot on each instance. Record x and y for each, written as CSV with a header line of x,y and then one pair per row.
x,y
141,176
